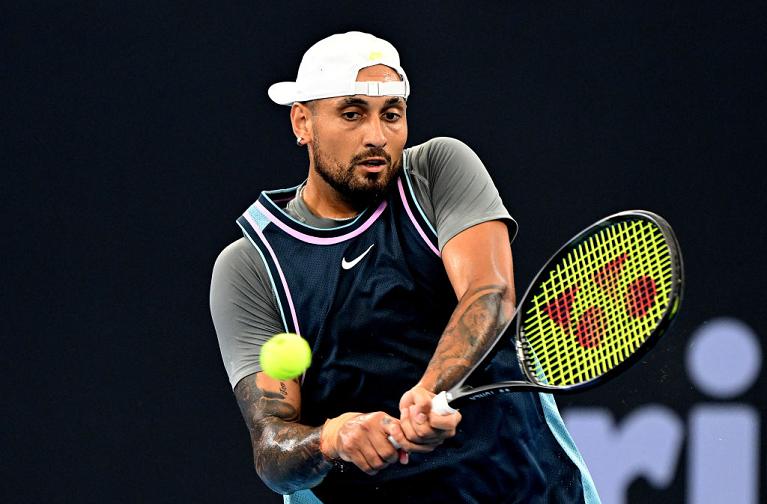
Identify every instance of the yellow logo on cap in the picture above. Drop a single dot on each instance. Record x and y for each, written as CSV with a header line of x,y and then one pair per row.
x,y
375,55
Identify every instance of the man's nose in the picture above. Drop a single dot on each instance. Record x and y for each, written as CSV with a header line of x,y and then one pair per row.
x,y
374,133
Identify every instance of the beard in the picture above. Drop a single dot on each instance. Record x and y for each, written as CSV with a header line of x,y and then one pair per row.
x,y
360,190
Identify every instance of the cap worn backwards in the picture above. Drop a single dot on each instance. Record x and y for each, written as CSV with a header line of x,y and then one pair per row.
x,y
329,69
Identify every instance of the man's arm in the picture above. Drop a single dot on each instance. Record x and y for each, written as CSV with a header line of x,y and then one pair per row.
x,y
286,454
290,456
479,264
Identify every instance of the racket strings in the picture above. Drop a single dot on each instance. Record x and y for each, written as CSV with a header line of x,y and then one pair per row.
x,y
618,348
593,320
599,303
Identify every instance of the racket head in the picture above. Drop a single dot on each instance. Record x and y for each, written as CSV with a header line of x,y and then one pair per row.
x,y
600,303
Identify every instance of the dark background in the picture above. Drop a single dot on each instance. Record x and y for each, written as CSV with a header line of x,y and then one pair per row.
x,y
136,132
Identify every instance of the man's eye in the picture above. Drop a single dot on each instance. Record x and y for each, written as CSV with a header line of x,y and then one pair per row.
x,y
391,116
351,115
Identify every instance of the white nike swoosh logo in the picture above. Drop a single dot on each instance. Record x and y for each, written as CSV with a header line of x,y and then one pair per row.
x,y
350,264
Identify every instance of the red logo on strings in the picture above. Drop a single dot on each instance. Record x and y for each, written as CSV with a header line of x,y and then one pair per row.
x,y
591,325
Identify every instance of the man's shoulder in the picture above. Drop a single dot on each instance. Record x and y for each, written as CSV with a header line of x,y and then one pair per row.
x,y
433,157
437,146
234,250
237,257
443,158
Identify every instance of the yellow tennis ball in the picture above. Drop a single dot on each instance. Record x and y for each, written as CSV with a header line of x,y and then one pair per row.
x,y
285,356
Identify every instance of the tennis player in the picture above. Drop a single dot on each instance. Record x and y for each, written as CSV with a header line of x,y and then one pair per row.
x,y
395,264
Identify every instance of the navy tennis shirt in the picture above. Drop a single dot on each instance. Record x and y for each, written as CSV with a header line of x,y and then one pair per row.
x,y
372,298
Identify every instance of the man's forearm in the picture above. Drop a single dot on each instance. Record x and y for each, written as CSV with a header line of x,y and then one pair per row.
x,y
287,454
473,327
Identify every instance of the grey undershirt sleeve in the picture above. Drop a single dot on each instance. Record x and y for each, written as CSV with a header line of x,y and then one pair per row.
x,y
454,189
243,308
455,192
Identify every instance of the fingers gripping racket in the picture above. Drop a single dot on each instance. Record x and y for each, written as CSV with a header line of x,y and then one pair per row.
x,y
595,308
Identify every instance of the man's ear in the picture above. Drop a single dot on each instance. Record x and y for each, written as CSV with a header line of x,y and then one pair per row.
x,y
301,118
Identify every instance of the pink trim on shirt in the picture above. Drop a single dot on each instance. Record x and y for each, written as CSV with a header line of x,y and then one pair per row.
x,y
412,218
314,239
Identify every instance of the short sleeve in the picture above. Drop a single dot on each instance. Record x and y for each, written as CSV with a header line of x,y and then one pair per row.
x,y
243,308
458,188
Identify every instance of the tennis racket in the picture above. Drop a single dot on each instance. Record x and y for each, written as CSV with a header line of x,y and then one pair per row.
x,y
595,308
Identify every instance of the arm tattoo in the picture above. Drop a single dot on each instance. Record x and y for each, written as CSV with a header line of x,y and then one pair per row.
x,y
469,333
287,454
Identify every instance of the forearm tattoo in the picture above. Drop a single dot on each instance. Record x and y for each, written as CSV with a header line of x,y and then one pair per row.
x,y
287,454
469,333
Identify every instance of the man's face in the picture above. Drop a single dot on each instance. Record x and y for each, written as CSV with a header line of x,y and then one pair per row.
x,y
357,141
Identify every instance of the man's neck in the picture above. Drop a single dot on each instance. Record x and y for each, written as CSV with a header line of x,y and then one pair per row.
x,y
324,201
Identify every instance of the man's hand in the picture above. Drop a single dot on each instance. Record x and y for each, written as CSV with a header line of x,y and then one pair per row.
x,y
420,429
361,439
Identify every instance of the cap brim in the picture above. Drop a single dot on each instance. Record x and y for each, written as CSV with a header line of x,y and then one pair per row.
x,y
283,93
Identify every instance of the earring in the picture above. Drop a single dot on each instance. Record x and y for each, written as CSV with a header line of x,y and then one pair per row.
x,y
299,141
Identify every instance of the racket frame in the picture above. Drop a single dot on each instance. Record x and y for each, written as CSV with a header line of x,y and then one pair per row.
x,y
464,392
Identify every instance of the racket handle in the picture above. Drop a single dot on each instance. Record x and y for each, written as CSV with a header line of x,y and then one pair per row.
x,y
440,406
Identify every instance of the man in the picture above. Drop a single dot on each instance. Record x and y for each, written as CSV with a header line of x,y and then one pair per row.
x,y
395,264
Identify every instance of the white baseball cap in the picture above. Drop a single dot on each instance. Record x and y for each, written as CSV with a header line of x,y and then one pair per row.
x,y
329,69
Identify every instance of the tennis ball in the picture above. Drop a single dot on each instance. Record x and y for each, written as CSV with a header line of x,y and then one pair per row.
x,y
285,356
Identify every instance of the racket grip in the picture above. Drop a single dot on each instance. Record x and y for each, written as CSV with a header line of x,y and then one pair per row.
x,y
440,406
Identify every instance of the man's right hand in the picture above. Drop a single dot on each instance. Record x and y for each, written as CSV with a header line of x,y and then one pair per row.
x,y
361,439
421,427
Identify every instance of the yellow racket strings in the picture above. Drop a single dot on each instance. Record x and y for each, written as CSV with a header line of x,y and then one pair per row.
x,y
598,304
